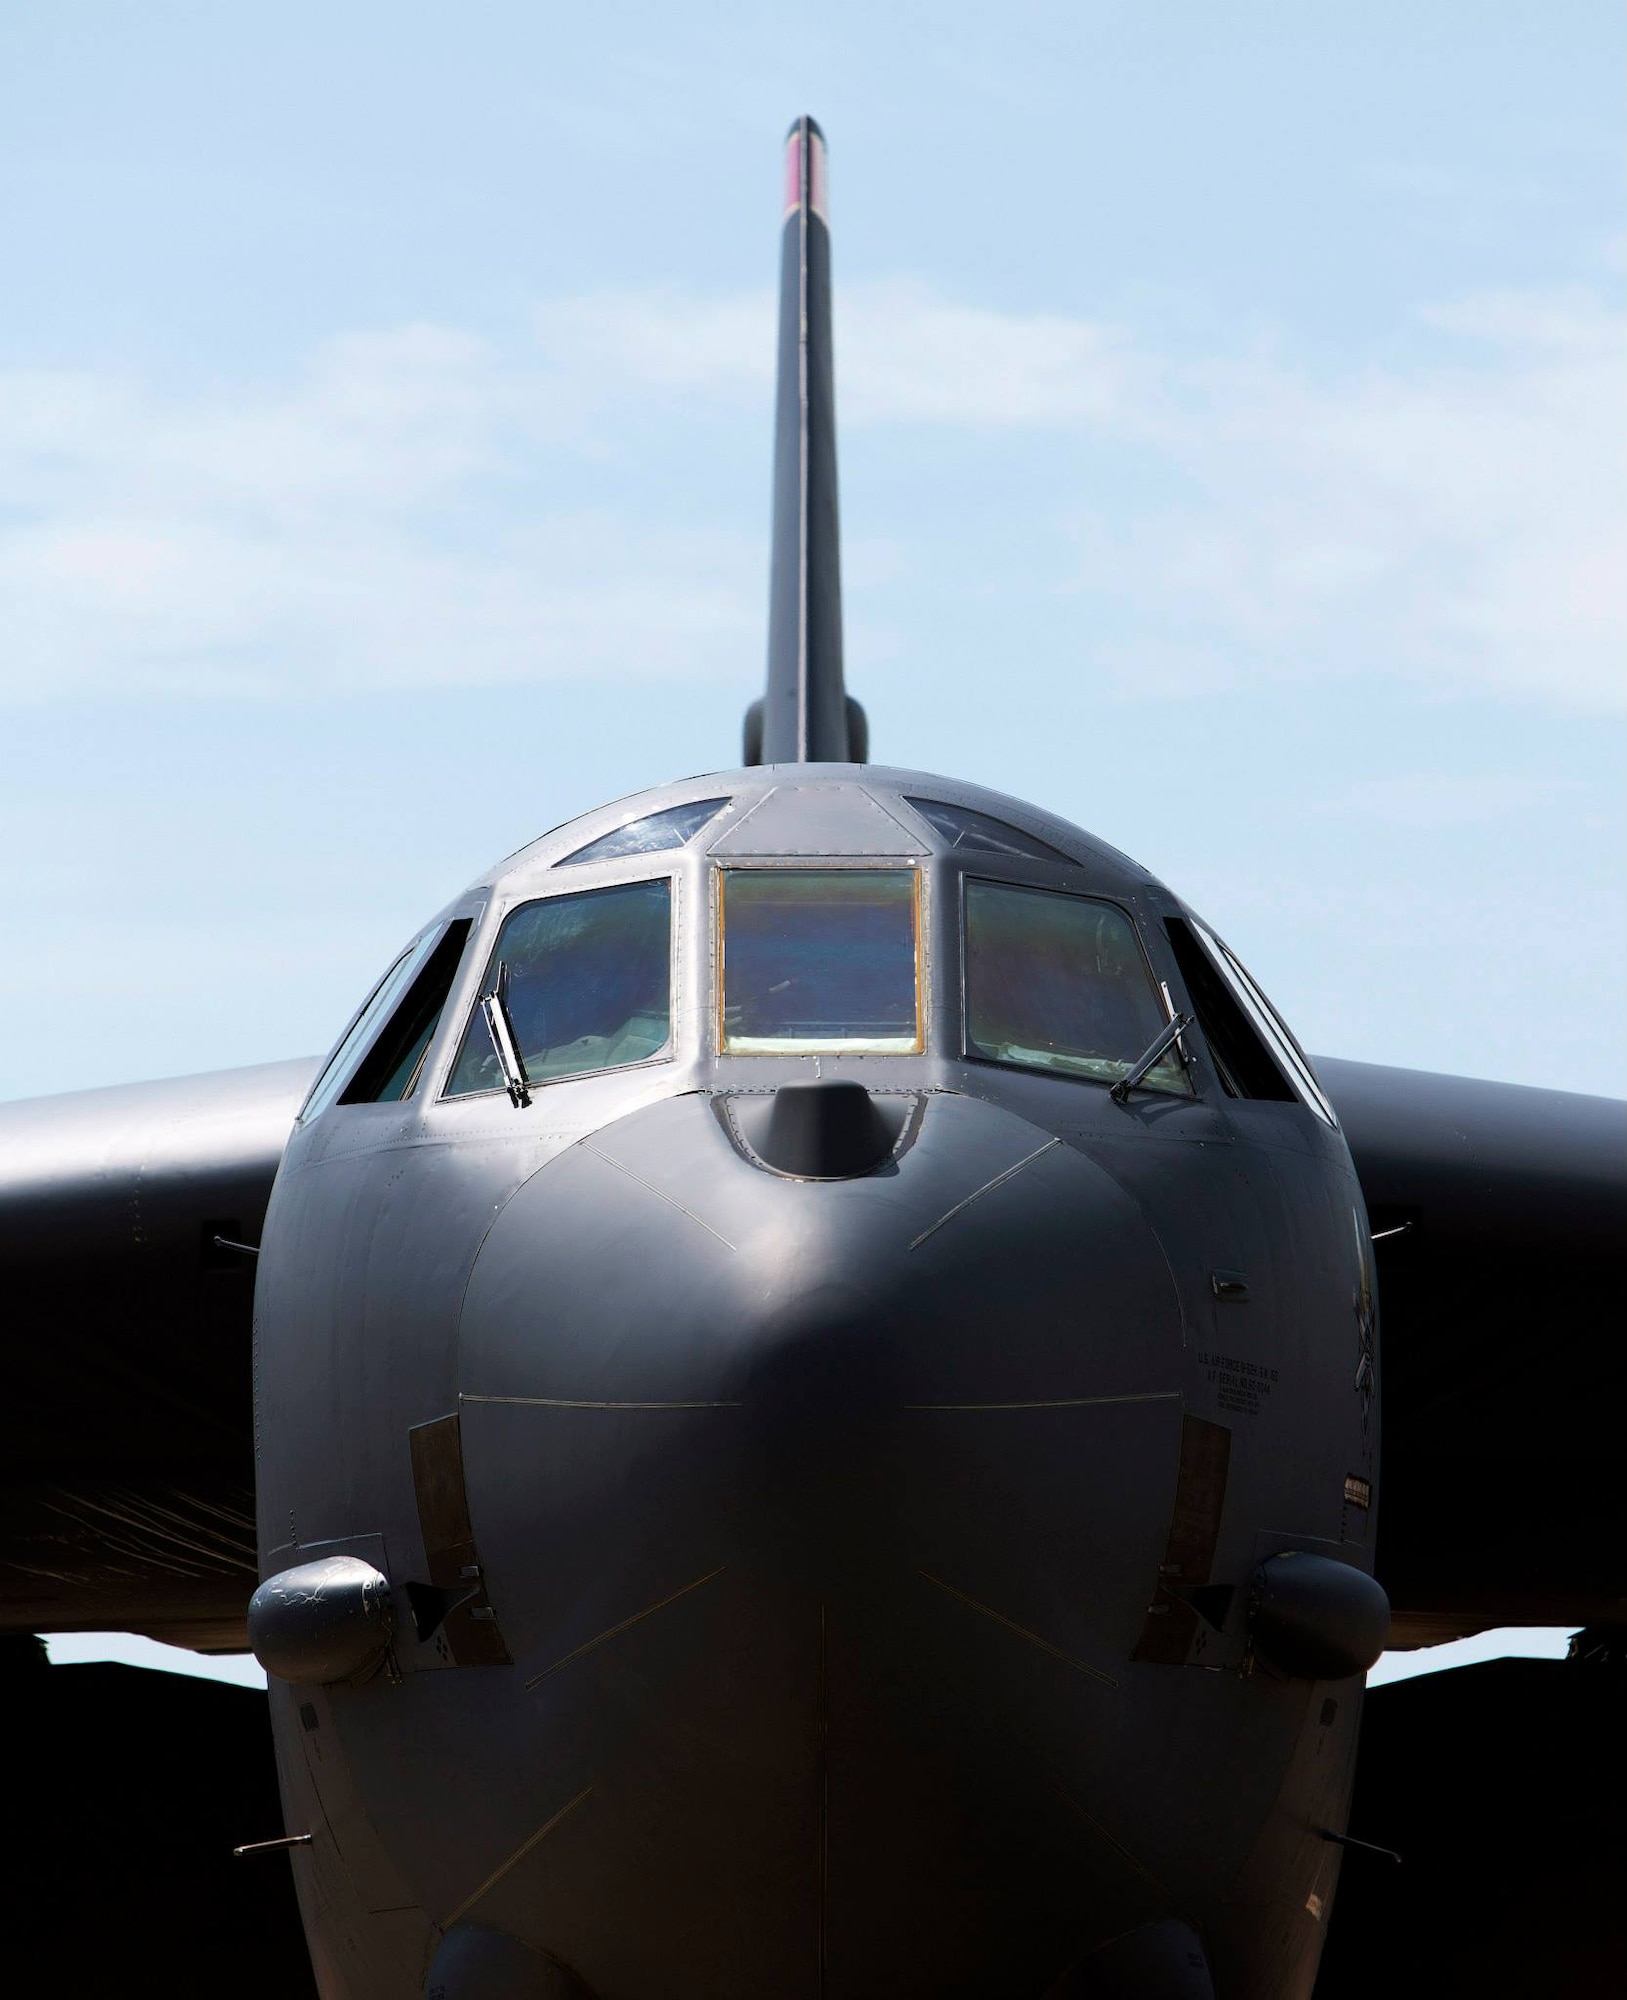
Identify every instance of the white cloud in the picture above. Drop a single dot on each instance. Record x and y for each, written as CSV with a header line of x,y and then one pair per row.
x,y
347,532
904,355
172,605
1460,526
614,343
405,512
908,356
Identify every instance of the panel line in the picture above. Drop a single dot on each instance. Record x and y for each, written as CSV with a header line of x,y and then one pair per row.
x,y
657,1192
637,1618
1062,1403
977,1194
1118,1846
518,1855
583,1403
1022,1631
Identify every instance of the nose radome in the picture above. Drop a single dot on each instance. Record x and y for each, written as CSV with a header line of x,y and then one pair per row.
x,y
668,1350
656,1263
785,1490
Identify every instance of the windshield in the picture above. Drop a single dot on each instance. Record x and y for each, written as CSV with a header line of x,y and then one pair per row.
x,y
589,986
819,960
1059,983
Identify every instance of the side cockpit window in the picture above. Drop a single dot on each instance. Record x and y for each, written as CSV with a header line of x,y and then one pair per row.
x,y
395,1027
587,982
1241,1059
1060,983
392,1066
1253,1051
819,961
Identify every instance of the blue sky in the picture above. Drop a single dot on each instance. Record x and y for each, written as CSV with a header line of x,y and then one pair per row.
x,y
1231,405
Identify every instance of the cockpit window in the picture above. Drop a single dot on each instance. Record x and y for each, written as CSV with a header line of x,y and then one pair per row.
x,y
652,834
971,832
589,986
1059,983
392,1066
820,960
380,1003
1267,1022
1239,1052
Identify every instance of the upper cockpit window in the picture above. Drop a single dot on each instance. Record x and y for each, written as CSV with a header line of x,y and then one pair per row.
x,y
651,835
1059,983
589,986
820,961
380,1003
971,832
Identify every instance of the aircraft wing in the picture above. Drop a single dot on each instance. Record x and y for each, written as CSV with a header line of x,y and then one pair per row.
x,y
127,1497
126,1431
1503,1356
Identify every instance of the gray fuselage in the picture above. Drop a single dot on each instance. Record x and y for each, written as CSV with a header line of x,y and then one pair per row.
x,y
851,1590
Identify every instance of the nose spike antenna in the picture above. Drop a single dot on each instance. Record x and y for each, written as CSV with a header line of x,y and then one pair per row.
x,y
805,715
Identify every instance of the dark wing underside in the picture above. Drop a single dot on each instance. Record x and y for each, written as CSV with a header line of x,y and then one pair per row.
x,y
1501,1311
126,1439
127,1494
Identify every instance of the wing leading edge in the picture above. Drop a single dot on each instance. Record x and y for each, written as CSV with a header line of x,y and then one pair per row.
x,y
127,1499
1501,1218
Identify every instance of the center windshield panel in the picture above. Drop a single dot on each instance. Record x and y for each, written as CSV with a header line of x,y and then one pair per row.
x,y
1059,983
589,986
820,961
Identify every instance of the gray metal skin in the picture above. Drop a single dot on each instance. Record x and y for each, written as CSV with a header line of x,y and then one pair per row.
x,y
822,1521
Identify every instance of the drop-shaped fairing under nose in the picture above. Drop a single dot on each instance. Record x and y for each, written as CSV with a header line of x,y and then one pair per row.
x,y
810,1511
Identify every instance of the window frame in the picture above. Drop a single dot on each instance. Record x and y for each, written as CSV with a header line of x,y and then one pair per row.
x,y
1159,985
668,1051
457,932
1279,1039
817,865
351,1049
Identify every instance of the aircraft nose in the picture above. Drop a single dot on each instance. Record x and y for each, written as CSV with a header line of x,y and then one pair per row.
x,y
789,1496
815,1457
673,1350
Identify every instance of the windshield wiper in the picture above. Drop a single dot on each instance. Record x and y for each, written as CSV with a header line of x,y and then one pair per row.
x,y
1169,1035
494,1007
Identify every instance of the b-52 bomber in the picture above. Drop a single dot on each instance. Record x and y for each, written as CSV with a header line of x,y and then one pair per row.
x,y
816,1388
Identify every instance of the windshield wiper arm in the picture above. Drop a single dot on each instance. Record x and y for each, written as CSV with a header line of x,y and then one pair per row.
x,y
494,1007
1169,1035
